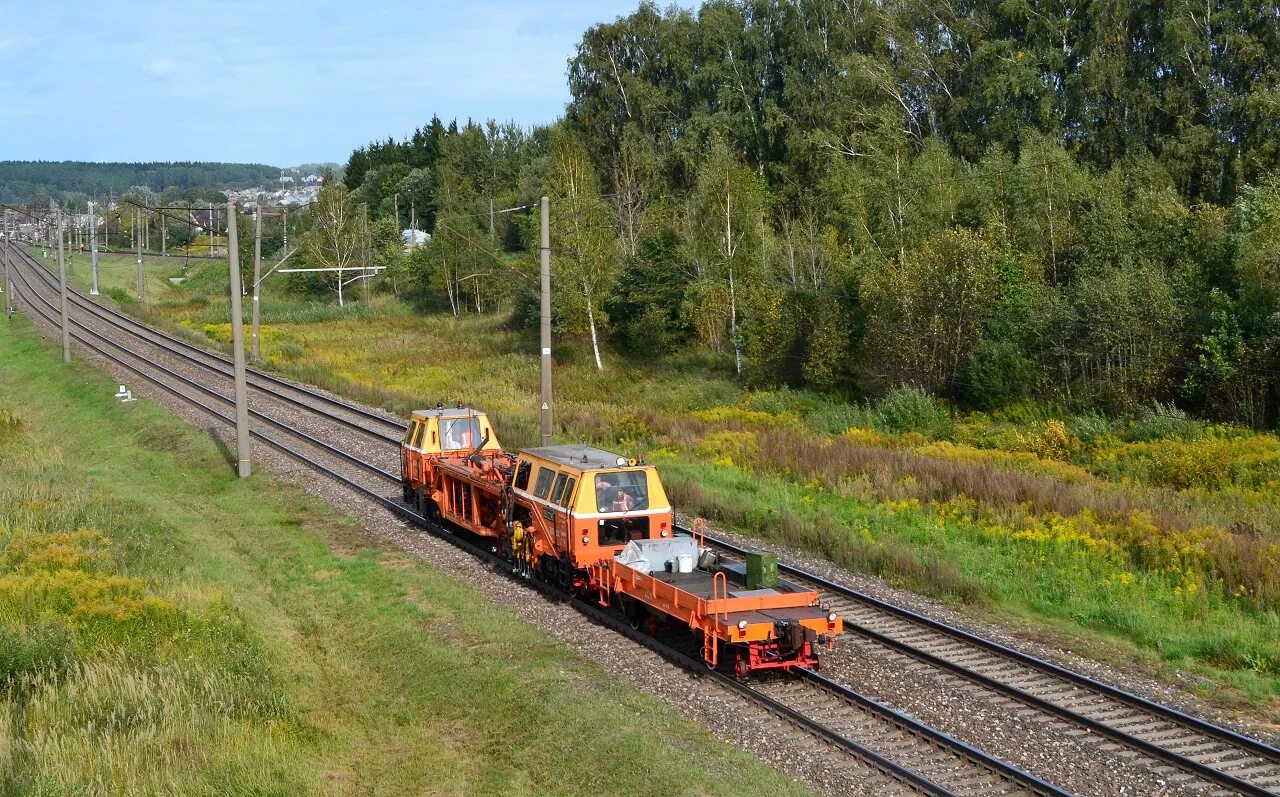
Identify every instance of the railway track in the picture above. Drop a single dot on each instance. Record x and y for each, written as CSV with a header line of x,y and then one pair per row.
x,y
359,419
1186,747
909,756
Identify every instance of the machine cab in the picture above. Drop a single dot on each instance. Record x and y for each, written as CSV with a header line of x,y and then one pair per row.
x,y
593,502
452,432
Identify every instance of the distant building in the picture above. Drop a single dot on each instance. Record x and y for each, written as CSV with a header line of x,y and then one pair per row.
x,y
412,239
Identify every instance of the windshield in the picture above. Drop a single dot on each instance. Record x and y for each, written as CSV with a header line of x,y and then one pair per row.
x,y
459,433
622,492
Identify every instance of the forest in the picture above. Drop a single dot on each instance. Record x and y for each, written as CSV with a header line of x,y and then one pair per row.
x,y
40,181
992,201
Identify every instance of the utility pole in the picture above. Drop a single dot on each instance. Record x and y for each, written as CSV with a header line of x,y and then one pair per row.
x,y
257,278
93,250
164,236
142,277
396,199
545,255
62,294
490,218
213,230
243,466
286,229
8,287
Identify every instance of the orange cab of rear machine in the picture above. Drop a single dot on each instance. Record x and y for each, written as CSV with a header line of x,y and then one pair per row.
x,y
592,501
443,432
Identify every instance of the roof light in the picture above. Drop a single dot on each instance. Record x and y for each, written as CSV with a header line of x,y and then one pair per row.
x,y
622,462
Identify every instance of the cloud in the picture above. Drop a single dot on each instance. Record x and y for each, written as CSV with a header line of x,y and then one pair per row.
x,y
162,67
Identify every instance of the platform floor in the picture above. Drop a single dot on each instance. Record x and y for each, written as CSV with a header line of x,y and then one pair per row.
x,y
700,583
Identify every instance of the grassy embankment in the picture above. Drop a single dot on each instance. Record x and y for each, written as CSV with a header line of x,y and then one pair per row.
x,y
1153,539
168,629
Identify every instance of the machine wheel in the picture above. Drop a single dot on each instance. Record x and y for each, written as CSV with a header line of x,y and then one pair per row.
x,y
408,493
740,668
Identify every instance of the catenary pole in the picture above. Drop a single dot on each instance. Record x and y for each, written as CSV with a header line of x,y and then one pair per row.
x,y
243,466
137,233
545,325
257,280
8,287
62,295
93,250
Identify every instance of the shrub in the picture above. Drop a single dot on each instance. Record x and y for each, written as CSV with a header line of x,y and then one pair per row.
x,y
121,296
838,418
291,351
999,374
910,409
1089,427
1165,421
783,401
632,429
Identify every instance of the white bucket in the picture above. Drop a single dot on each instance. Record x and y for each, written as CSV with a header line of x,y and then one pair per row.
x,y
684,563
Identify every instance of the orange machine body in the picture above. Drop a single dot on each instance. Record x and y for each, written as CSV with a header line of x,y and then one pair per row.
x,y
599,525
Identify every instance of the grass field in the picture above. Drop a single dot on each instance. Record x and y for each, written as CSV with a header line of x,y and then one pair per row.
x,y
168,629
1152,538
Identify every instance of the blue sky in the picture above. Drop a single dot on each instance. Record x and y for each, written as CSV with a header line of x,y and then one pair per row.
x,y
275,81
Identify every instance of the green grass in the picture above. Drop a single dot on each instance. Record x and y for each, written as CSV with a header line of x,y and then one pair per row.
x,y
120,272
169,629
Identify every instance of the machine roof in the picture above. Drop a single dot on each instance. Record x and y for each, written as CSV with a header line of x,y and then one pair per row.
x,y
582,457
447,412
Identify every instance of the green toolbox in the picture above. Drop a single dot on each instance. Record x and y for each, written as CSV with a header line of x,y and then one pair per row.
x,y
762,570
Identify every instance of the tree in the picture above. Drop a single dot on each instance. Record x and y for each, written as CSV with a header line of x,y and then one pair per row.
x,y
927,313
338,237
583,229
723,244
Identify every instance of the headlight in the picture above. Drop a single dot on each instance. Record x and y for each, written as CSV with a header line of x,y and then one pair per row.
x,y
585,539
831,617
742,625
665,532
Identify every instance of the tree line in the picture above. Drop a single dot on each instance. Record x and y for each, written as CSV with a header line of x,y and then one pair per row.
x,y
994,201
40,182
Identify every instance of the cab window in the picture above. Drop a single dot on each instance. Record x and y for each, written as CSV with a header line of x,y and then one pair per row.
x,y
622,492
559,488
411,433
418,430
522,476
621,530
543,485
459,433
564,498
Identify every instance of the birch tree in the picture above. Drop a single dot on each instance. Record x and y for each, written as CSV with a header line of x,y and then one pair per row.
x,y
338,237
583,226
723,244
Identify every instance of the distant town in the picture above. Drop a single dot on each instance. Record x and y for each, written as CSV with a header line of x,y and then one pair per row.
x,y
294,190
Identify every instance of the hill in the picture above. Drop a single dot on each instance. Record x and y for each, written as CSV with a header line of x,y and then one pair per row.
x,y
27,181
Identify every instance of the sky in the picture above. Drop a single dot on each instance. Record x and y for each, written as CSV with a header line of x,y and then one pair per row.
x,y
280,82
